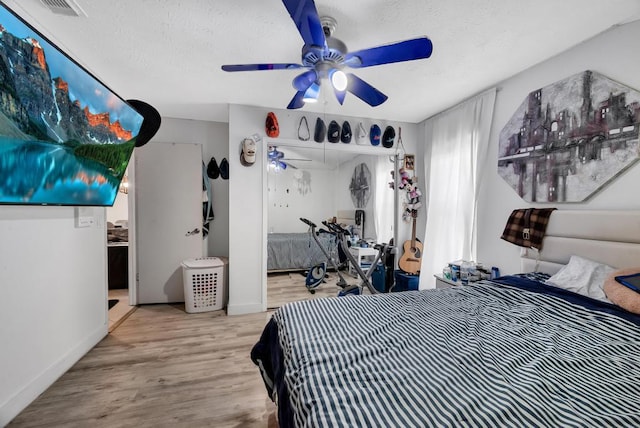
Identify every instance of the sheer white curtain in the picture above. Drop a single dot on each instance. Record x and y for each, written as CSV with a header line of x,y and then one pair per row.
x,y
383,199
457,142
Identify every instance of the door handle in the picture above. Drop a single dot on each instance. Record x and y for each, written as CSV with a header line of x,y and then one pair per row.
x,y
193,232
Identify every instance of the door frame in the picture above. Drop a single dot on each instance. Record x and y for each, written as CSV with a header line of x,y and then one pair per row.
x,y
133,255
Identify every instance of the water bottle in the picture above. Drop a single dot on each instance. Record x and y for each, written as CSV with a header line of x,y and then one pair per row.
x,y
465,271
455,272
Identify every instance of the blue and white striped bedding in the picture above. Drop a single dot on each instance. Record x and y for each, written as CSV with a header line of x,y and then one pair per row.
x,y
290,251
484,355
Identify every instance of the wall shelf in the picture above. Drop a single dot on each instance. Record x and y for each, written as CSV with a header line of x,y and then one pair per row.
x,y
338,147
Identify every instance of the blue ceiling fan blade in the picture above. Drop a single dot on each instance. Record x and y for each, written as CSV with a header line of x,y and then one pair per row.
x,y
296,101
365,91
340,95
254,67
408,50
305,16
304,80
275,154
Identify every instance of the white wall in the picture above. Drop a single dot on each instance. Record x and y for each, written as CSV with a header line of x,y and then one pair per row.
x,y
611,54
53,298
286,204
248,207
247,214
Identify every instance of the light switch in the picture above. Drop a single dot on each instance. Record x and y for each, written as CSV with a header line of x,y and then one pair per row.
x,y
84,217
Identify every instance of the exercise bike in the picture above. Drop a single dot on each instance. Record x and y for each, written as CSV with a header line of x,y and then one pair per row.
x,y
365,277
317,273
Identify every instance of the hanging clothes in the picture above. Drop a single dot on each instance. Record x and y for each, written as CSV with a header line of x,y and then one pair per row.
x,y
207,202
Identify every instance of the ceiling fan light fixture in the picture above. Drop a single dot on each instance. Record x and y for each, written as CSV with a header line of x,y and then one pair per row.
x,y
338,79
311,94
277,165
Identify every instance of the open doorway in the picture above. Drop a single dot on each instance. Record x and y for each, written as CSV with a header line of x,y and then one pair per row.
x,y
119,249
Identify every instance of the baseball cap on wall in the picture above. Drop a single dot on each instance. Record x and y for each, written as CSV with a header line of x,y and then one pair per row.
x,y
388,137
333,135
374,135
213,170
320,131
248,154
345,135
271,125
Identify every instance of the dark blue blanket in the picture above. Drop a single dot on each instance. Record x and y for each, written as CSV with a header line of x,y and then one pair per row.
x,y
527,282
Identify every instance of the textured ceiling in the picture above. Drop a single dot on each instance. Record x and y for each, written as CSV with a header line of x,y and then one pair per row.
x,y
169,53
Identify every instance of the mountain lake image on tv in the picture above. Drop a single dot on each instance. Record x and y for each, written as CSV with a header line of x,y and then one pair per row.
x,y
65,139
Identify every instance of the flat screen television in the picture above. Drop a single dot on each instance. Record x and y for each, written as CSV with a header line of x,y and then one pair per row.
x,y
65,138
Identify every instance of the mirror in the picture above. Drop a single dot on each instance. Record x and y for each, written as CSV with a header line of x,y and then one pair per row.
x,y
318,184
314,158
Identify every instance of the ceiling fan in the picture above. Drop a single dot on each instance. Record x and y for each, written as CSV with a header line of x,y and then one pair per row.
x,y
276,159
325,57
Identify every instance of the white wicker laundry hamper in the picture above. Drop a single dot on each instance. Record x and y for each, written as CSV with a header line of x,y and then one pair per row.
x,y
204,284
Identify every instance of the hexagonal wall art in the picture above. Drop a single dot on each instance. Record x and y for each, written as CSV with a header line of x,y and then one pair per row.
x,y
567,140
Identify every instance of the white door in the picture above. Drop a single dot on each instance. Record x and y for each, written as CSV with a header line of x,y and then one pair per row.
x,y
168,201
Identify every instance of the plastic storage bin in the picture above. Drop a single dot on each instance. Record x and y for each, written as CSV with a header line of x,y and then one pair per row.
x,y
377,276
204,284
405,282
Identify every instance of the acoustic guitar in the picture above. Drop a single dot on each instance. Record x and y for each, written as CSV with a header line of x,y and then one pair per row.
x,y
410,260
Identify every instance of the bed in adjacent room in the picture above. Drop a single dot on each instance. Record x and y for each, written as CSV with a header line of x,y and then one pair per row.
x,y
517,351
297,251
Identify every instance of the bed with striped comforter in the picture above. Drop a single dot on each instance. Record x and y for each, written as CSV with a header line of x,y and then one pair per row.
x,y
511,353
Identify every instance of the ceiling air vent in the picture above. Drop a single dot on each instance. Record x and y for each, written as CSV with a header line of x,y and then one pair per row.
x,y
64,7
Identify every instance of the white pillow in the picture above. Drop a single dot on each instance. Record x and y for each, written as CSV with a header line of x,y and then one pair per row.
x,y
582,276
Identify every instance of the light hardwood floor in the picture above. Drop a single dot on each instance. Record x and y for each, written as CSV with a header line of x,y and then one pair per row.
x,y
121,310
164,367
283,287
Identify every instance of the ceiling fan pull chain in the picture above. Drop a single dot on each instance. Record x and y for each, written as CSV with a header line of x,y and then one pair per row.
x,y
303,134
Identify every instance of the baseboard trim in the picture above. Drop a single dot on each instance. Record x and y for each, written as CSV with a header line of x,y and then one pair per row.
x,y
19,401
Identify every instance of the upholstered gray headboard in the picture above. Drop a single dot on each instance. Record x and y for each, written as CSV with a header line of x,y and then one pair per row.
x,y
611,237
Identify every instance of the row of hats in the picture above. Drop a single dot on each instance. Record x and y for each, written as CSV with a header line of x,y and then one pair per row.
x,y
335,133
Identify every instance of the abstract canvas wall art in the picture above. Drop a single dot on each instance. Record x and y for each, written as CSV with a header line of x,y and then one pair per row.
x,y
566,141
